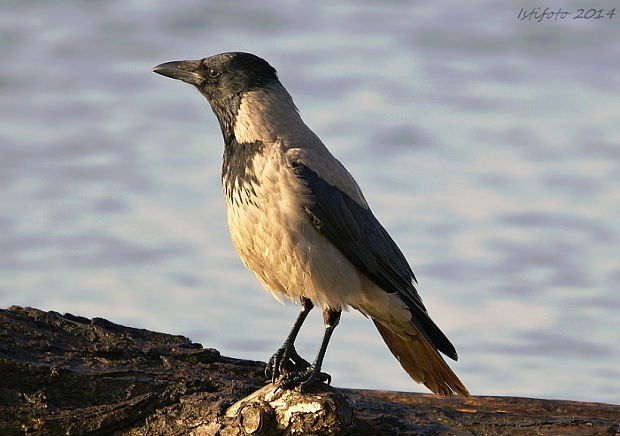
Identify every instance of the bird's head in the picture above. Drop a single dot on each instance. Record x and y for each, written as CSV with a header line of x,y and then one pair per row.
x,y
223,79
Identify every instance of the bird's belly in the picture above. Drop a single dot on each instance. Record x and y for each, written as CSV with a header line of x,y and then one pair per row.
x,y
277,242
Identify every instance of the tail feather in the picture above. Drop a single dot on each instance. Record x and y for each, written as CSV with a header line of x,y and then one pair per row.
x,y
422,362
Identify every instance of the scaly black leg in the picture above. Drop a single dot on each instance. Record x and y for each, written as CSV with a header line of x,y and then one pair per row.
x,y
313,374
286,358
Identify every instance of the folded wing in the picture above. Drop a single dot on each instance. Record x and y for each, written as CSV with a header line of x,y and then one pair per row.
x,y
357,233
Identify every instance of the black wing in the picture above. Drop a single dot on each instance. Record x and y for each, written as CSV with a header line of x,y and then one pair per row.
x,y
363,240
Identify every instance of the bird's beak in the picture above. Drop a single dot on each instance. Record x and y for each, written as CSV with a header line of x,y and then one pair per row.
x,y
187,71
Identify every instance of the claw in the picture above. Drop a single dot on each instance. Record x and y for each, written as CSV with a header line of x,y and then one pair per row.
x,y
285,360
272,368
303,379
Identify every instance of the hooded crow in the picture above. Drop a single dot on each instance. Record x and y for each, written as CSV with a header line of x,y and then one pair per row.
x,y
301,224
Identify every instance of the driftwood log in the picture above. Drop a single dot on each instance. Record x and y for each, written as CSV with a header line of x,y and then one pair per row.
x,y
69,375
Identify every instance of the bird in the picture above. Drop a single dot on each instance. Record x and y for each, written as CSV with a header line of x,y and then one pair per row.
x,y
299,221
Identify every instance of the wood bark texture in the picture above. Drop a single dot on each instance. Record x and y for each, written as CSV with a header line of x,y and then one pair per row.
x,y
69,375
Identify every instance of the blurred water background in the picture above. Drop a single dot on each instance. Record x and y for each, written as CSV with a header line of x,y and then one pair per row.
x,y
489,148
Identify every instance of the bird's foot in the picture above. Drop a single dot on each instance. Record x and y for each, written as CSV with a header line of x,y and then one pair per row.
x,y
285,360
304,379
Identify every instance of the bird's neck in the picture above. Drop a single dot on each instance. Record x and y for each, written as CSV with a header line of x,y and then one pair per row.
x,y
268,115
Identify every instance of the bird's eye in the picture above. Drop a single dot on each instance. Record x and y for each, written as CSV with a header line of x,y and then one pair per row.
x,y
213,72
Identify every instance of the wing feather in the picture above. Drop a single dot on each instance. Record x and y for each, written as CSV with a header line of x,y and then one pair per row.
x,y
357,233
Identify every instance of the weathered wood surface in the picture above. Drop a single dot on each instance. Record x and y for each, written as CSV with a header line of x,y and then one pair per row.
x,y
68,375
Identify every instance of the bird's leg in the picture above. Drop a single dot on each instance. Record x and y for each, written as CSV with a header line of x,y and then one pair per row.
x,y
313,374
286,358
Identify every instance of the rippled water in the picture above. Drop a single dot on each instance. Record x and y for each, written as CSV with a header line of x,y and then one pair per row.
x,y
490,148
